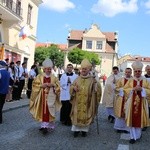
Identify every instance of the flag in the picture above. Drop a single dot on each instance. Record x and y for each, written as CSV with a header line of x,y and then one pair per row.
x,y
24,32
2,52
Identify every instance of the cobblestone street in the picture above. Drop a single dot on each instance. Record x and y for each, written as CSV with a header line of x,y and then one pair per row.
x,y
20,132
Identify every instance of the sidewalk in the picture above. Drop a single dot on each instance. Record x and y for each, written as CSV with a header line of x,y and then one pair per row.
x,y
15,104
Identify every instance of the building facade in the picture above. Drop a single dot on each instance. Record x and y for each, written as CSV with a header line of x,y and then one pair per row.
x,y
127,60
14,16
105,44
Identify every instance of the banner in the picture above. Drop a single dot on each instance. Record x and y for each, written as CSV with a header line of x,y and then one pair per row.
x,y
24,32
2,52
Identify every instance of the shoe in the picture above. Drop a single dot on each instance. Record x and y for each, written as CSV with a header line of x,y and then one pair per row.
x,y
109,117
41,129
119,131
124,131
44,131
132,141
76,133
112,119
144,129
84,134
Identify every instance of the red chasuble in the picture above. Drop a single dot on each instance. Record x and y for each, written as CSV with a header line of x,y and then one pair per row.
x,y
45,106
136,106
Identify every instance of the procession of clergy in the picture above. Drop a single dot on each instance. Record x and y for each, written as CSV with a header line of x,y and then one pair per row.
x,y
77,97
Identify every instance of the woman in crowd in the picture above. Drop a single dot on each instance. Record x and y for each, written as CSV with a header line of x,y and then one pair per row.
x,y
32,75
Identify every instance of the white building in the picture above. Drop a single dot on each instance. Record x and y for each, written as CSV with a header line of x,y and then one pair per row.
x,y
127,60
105,44
14,15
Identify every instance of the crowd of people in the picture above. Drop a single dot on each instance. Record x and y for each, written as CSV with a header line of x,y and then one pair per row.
x,y
77,94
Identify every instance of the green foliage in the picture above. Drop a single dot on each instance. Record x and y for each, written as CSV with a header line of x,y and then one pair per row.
x,y
93,57
51,52
76,55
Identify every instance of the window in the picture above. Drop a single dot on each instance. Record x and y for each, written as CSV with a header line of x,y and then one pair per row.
x,y
18,7
99,45
88,44
29,14
9,3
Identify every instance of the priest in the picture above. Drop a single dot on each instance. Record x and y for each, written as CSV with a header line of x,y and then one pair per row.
x,y
44,97
136,91
85,97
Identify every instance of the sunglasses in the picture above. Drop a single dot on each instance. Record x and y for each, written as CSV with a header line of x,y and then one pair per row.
x,y
137,71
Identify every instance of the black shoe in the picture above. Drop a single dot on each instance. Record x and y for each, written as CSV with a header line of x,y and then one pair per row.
x,y
76,133
84,134
124,131
41,129
109,117
119,131
132,141
112,119
45,131
144,129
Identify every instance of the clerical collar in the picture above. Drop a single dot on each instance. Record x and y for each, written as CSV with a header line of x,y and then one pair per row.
x,y
138,79
69,74
47,76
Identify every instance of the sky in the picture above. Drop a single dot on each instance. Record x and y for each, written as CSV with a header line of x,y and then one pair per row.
x,y
130,18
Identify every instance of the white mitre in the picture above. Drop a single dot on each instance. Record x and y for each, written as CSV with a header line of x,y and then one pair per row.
x,y
137,65
47,63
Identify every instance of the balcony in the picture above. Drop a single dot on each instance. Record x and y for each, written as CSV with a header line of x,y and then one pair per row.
x,y
10,11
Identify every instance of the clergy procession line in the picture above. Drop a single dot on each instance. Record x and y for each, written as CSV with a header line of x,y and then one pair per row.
x,y
76,95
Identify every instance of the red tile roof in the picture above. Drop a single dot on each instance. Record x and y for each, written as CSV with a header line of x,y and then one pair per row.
x,y
76,34
110,36
63,47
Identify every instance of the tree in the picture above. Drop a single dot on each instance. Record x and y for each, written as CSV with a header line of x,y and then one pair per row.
x,y
93,57
76,55
51,52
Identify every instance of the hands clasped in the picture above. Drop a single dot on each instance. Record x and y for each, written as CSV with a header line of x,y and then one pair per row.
x,y
49,85
137,88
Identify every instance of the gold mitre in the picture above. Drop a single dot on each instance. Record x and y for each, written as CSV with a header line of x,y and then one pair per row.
x,y
47,63
86,64
137,65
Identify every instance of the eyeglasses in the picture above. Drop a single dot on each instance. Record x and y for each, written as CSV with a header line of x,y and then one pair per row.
x,y
137,71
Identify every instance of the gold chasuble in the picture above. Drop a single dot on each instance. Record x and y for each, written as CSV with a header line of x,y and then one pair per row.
x,y
119,101
136,107
84,102
44,102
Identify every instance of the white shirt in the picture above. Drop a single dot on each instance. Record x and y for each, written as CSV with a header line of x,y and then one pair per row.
x,y
65,86
22,70
32,73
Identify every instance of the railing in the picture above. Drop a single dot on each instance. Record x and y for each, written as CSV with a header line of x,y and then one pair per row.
x,y
15,8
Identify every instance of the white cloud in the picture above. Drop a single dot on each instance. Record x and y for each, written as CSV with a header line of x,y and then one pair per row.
x,y
147,5
110,8
58,5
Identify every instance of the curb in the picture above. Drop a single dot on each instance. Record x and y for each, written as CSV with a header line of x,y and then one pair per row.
x,y
16,107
